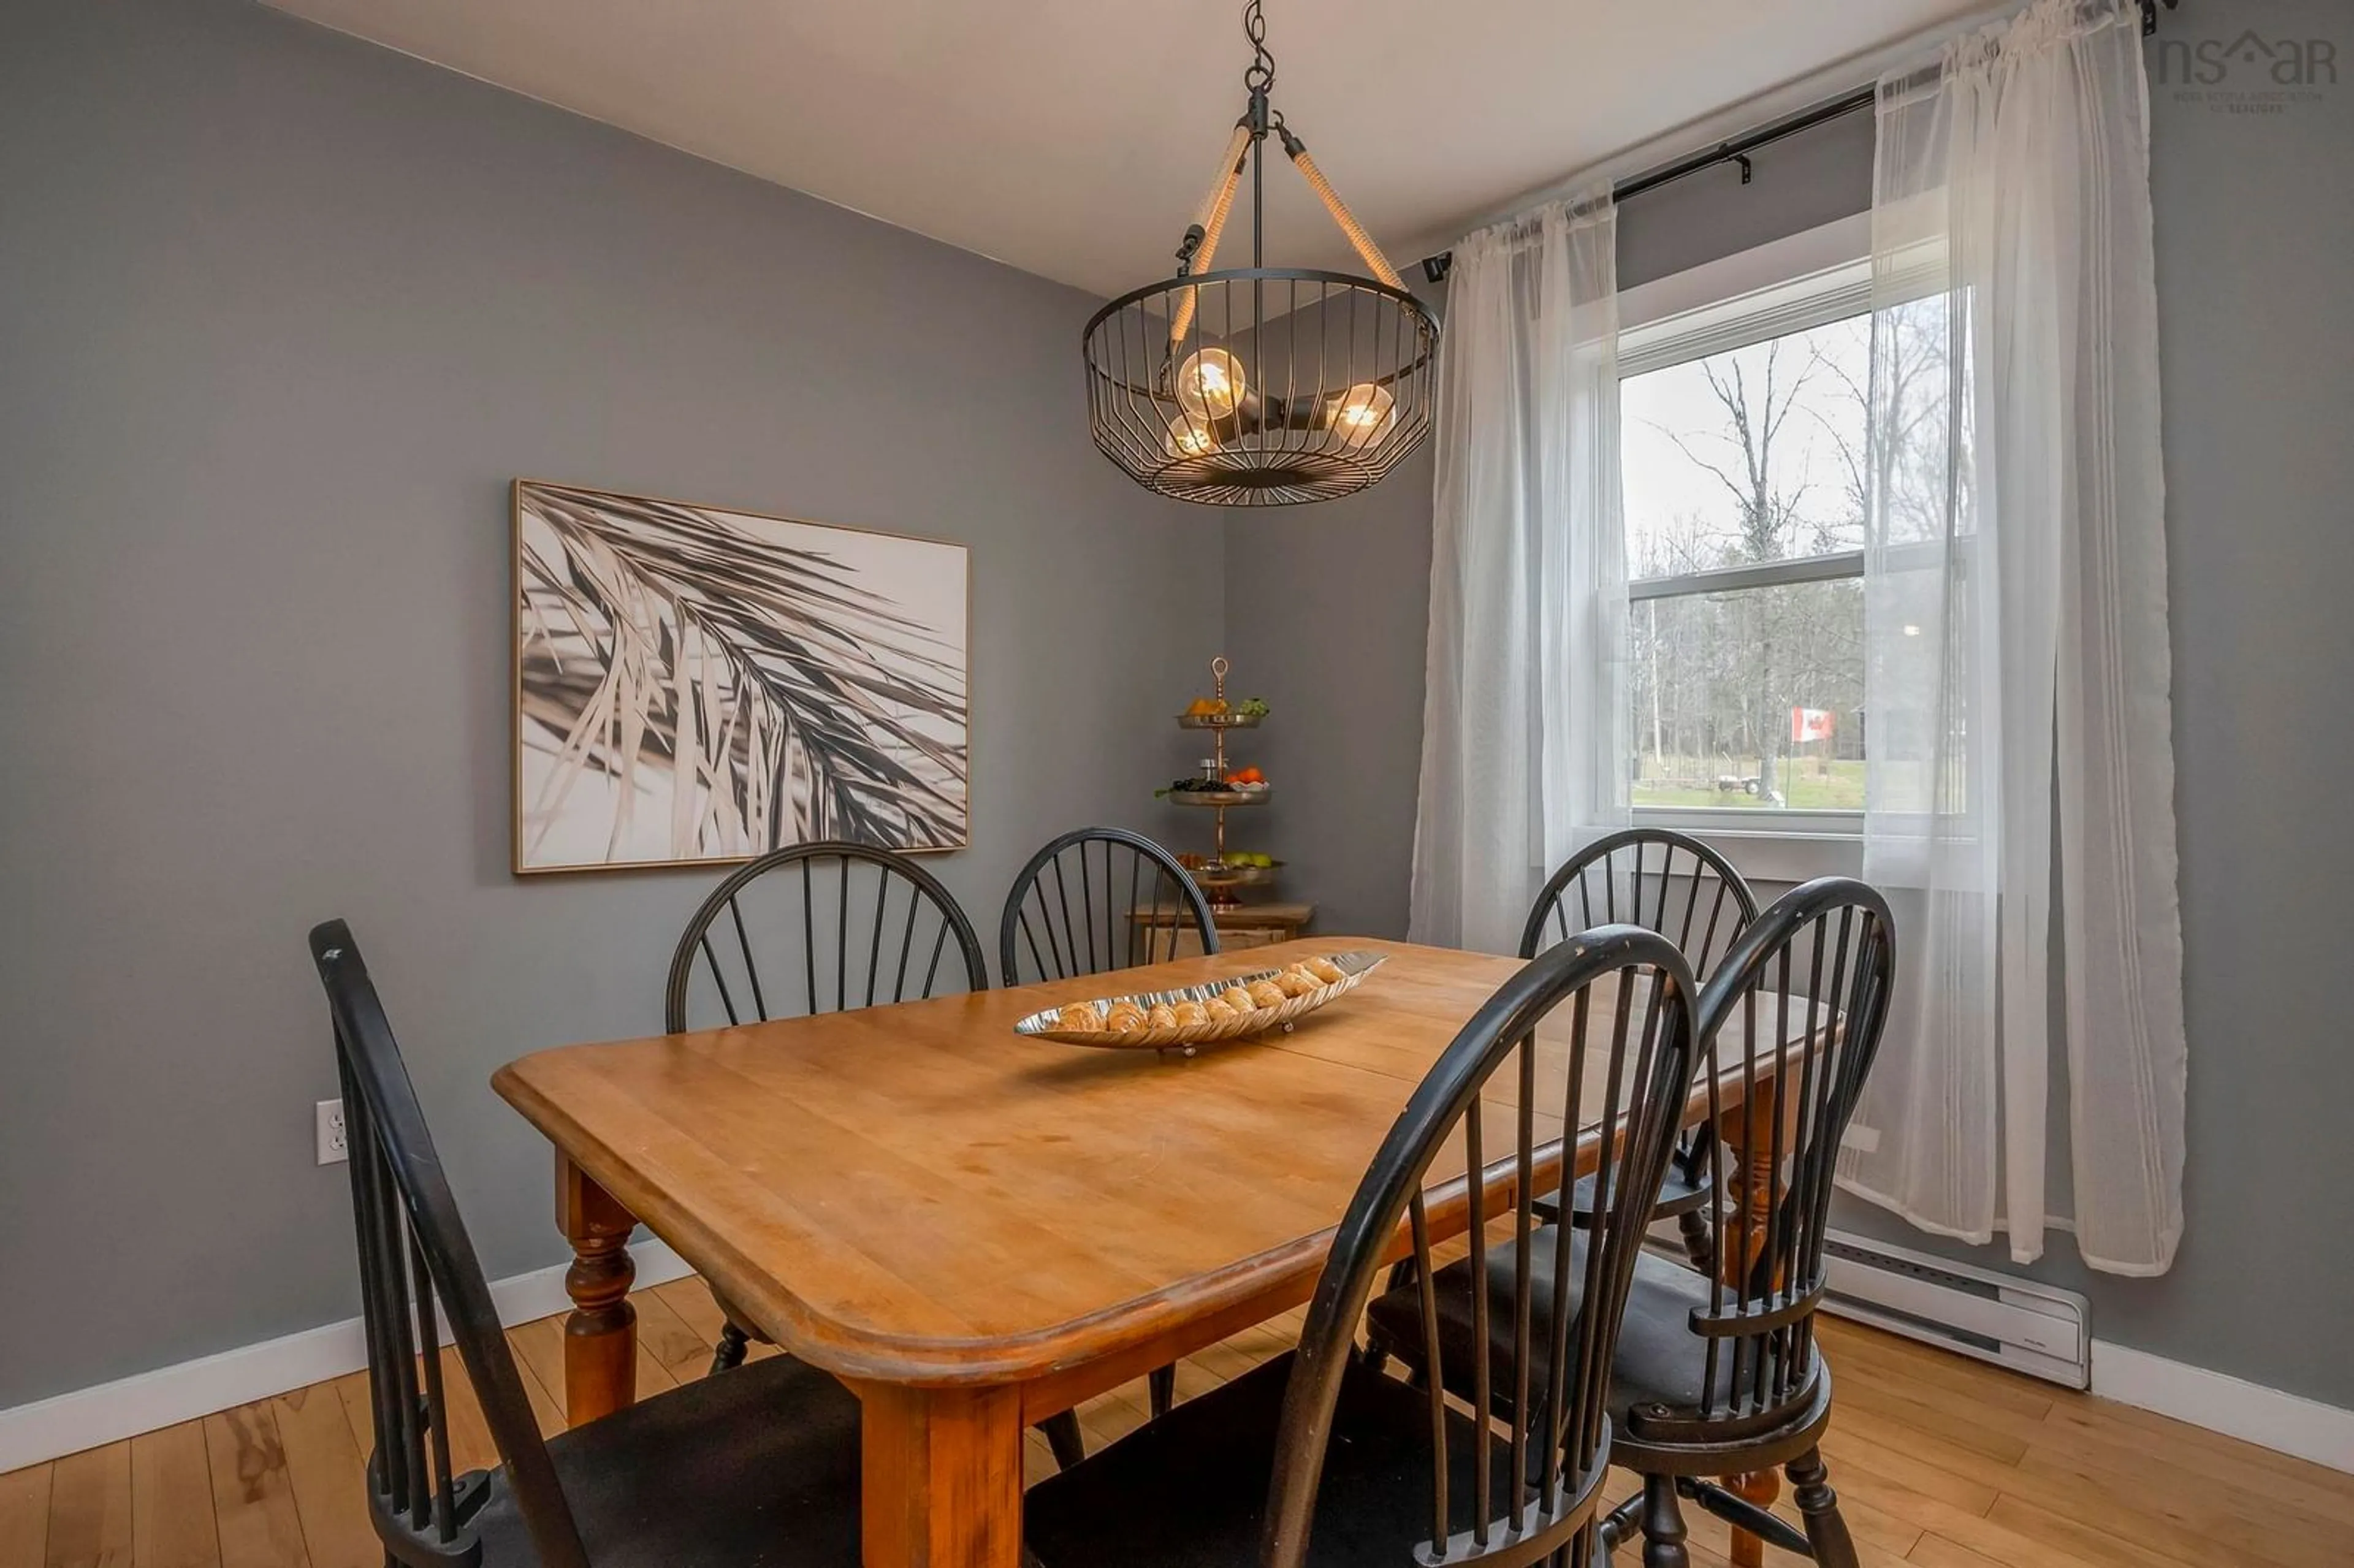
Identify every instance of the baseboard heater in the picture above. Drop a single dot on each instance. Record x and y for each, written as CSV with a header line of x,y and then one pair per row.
x,y
1999,1318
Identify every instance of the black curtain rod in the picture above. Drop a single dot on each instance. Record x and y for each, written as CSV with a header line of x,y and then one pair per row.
x,y
1738,149
1735,151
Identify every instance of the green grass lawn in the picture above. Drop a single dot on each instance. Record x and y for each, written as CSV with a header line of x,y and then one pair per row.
x,y
1803,783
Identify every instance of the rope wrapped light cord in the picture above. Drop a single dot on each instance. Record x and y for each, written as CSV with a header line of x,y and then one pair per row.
x,y
1377,263
1220,198
1220,204
1215,208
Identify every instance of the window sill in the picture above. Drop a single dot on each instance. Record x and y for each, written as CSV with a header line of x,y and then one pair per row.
x,y
1828,844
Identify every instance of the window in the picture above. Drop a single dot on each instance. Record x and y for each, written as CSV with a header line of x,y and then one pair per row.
x,y
1742,451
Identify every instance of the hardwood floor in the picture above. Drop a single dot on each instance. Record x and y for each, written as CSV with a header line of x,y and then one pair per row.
x,y
1939,1461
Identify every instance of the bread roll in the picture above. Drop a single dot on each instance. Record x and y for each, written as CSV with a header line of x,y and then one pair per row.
x,y
1162,1017
1080,1017
1220,1009
1236,998
1297,982
1122,1017
1266,993
1191,1015
1325,971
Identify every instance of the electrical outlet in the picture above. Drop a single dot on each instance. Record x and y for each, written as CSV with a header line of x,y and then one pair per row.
x,y
332,1148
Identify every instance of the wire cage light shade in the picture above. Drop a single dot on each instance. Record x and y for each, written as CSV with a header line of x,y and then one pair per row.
x,y
1260,386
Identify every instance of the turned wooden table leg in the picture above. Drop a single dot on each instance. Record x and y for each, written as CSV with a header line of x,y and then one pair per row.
x,y
600,1336
1760,1486
1749,1136
940,1477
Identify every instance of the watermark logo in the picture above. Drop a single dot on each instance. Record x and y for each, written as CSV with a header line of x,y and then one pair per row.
x,y
2250,74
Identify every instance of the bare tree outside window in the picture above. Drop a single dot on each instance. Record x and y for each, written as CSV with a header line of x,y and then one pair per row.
x,y
1750,694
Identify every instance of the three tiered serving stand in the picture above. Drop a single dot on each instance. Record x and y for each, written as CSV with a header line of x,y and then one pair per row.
x,y
1221,881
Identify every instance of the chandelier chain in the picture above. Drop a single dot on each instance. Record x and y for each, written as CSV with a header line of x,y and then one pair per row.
x,y
1259,75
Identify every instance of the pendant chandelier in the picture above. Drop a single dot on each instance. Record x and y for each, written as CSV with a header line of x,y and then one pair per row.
x,y
1261,385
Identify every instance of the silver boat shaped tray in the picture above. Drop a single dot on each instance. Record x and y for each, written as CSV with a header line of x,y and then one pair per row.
x,y
1053,1023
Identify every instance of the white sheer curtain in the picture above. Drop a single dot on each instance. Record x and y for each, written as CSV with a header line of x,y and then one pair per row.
x,y
1524,717
2021,772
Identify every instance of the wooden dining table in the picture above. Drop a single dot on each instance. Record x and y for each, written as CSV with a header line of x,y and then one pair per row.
x,y
974,1229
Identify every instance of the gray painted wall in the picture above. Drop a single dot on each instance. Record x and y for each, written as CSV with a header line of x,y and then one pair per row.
x,y
2257,323
1326,608
280,314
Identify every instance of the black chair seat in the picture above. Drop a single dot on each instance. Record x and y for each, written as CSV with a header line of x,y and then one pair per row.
x,y
1660,1360
1189,1491
1681,1193
756,1468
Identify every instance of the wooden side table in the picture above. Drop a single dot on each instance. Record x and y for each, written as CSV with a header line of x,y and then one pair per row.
x,y
1244,926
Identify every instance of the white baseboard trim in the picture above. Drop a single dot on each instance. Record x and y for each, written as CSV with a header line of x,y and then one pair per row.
x,y
2286,1423
70,1422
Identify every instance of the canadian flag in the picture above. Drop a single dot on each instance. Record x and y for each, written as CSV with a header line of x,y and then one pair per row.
x,y
1811,724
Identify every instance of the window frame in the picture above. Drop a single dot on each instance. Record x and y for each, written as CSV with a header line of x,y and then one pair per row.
x,y
1789,285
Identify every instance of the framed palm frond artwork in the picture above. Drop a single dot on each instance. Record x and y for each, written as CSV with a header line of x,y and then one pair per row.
x,y
697,686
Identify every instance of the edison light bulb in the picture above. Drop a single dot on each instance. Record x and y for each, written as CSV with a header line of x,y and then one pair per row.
x,y
1363,412
1209,384
1187,437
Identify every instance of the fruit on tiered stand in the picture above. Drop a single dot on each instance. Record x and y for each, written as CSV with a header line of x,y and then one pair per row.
x,y
1218,788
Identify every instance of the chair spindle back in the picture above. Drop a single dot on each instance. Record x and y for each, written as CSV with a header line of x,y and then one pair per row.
x,y
1657,878
1625,1048
417,1268
1823,959
1097,899
820,928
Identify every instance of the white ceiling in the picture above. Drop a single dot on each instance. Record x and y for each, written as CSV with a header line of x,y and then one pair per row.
x,y
1073,138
